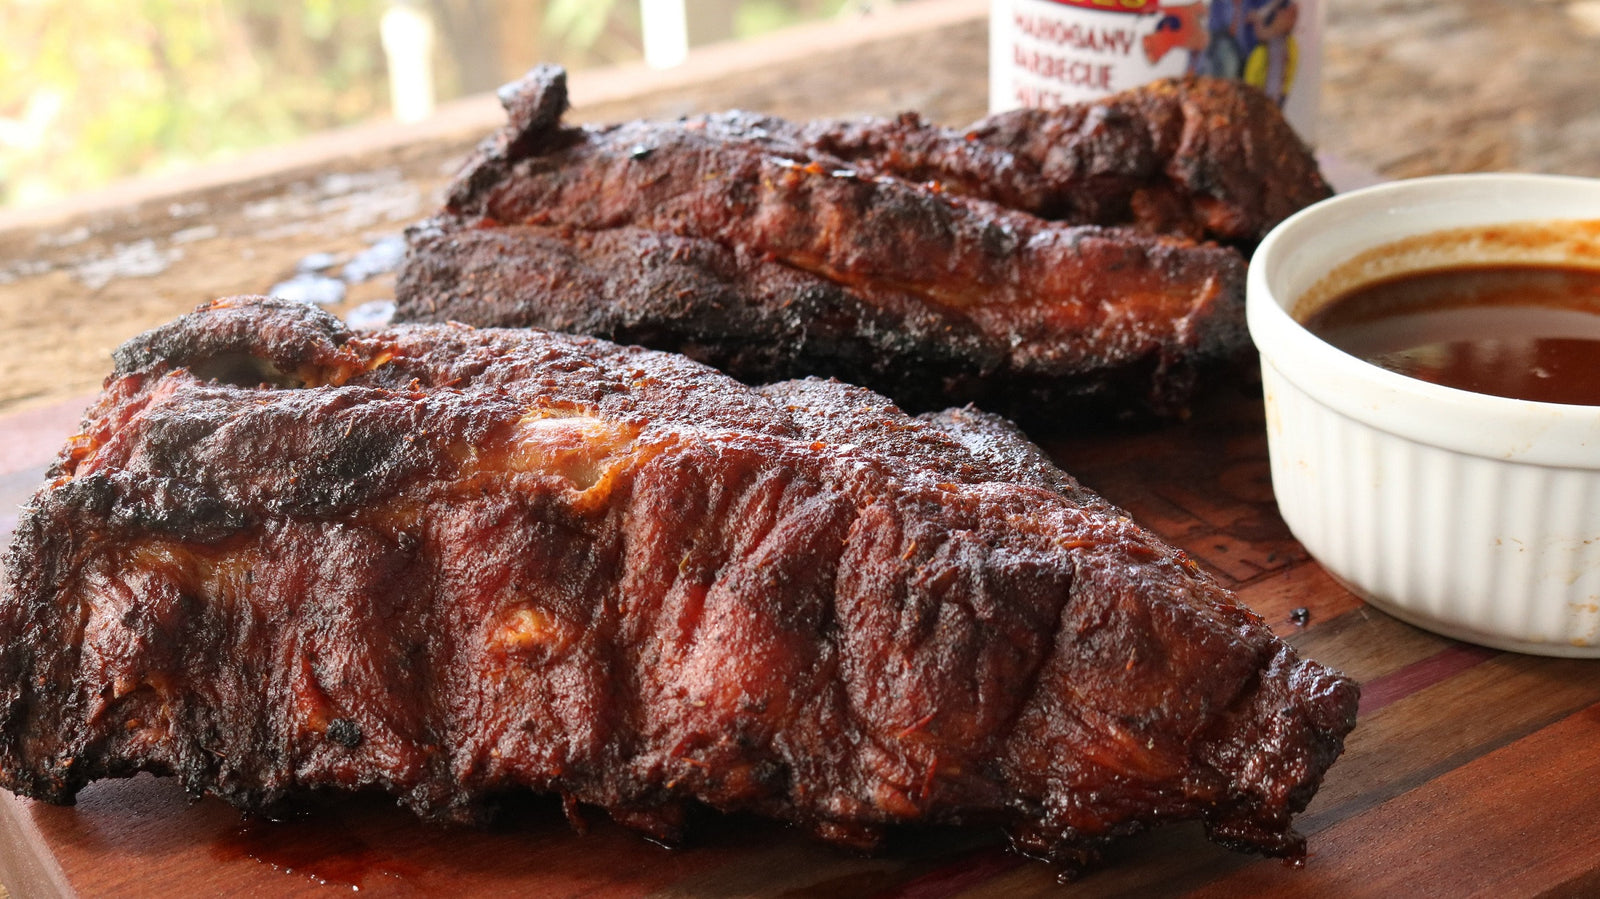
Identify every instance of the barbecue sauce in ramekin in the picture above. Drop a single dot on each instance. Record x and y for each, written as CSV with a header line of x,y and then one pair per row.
x,y
1529,332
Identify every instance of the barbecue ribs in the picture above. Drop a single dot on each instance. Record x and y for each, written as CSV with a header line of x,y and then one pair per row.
x,y
448,563
1039,264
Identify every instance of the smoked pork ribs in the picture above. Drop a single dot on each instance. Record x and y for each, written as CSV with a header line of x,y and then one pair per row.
x,y
1042,264
449,563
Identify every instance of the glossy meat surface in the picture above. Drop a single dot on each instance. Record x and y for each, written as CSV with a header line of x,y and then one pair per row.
x,y
1040,267
449,563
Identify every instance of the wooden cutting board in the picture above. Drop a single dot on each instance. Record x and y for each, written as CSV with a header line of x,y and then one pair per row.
x,y
1471,771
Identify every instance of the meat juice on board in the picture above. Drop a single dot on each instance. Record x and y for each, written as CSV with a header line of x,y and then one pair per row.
x,y
1054,52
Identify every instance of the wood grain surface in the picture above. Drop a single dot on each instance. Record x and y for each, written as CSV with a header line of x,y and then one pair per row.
x,y
1469,772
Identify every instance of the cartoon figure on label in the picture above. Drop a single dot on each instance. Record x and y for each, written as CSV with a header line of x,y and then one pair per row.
x,y
1181,27
1252,40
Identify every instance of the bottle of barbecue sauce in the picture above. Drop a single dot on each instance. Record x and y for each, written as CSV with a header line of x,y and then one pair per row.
x,y
1053,52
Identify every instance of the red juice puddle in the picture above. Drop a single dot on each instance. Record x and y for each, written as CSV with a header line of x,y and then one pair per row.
x,y
316,848
954,878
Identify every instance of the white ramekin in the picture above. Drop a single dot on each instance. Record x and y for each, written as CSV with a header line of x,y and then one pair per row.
x,y
1474,516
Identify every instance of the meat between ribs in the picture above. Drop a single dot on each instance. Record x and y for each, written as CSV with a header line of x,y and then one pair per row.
x,y
448,563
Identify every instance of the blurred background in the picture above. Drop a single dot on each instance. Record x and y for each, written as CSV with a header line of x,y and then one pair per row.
x,y
96,90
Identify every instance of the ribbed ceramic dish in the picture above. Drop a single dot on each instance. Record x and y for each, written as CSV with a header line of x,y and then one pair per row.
x,y
1474,516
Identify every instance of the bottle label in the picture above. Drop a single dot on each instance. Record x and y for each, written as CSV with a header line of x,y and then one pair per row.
x,y
1052,52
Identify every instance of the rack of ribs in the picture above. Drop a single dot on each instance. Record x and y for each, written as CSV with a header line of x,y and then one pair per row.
x,y
449,563
1040,264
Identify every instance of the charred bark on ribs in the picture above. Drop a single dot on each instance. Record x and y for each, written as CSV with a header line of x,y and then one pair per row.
x,y
448,563
1040,264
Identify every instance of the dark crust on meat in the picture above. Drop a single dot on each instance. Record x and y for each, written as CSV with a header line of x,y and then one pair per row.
x,y
921,262
760,320
1209,158
448,563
